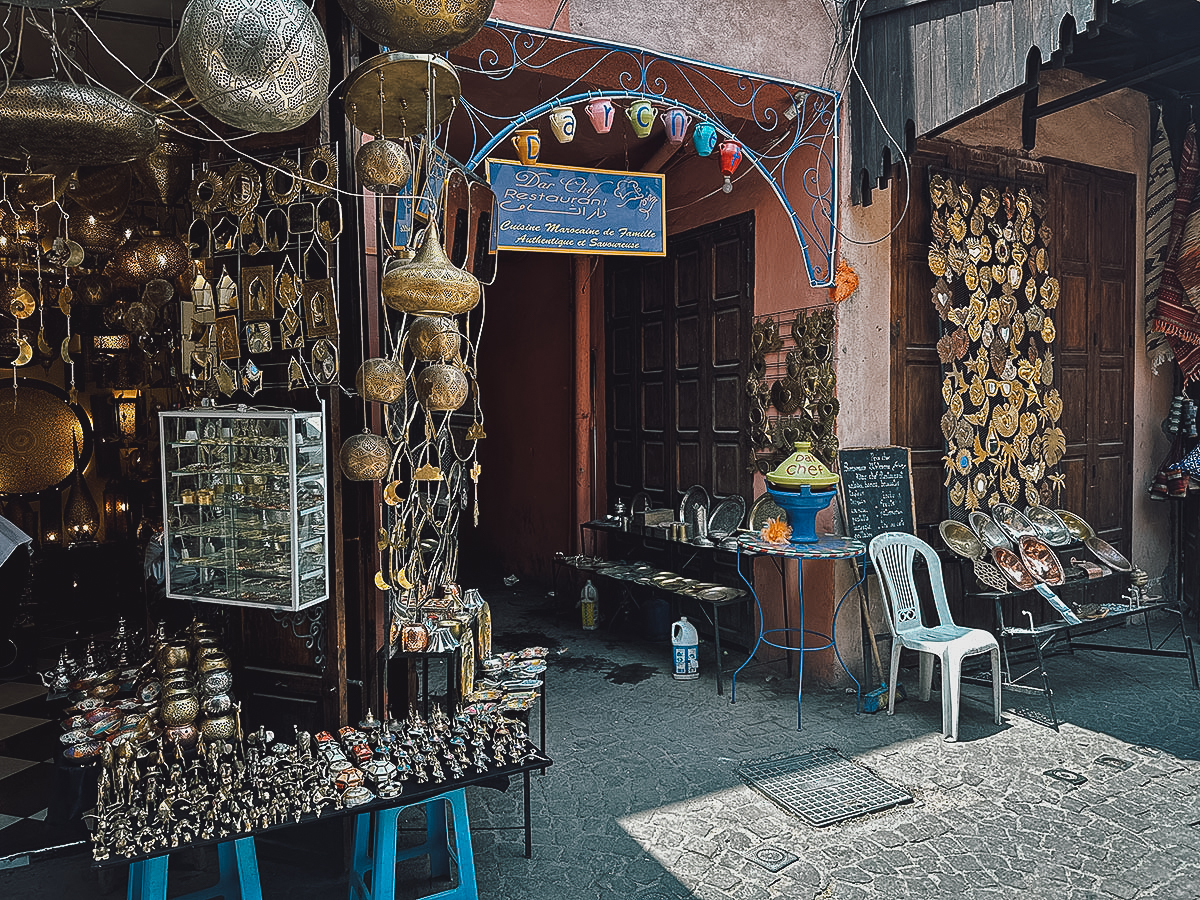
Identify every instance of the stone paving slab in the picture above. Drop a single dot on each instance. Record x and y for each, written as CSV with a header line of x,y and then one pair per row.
x,y
644,801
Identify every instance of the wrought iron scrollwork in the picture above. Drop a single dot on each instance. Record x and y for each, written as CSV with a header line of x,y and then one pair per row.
x,y
309,626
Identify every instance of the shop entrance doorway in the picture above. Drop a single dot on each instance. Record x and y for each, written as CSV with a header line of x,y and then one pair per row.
x,y
678,355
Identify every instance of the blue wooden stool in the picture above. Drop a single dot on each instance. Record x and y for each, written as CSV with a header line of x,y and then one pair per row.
x,y
238,878
380,860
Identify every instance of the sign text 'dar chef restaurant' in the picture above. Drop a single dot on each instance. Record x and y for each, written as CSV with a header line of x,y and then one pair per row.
x,y
566,210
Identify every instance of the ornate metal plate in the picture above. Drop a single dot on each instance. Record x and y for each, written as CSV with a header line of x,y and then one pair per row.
x,y
763,511
1040,560
1107,554
990,534
1013,521
1013,569
961,539
694,498
1080,530
1051,528
401,80
726,516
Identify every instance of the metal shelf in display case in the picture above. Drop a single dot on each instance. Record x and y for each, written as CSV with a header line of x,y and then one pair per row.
x,y
244,507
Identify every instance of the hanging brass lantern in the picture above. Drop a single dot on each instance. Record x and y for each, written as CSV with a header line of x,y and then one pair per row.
x,y
93,290
365,457
382,166
430,285
418,26
52,121
432,338
55,4
155,255
442,387
380,380
167,171
94,234
260,65
81,518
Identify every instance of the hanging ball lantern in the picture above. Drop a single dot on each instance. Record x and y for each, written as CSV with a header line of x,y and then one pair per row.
x,y
380,380
433,338
94,234
418,26
365,457
430,285
94,289
442,387
382,166
731,157
259,65
151,257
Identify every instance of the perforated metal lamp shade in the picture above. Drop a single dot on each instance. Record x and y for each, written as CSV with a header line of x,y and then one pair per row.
x,y
81,517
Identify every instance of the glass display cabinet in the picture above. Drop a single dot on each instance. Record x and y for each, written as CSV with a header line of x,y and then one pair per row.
x,y
245,517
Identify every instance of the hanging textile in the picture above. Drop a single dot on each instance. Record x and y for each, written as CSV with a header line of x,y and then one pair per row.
x,y
1174,313
1160,195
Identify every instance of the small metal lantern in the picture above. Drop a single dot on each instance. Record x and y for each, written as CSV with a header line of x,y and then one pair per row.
x,y
365,457
428,26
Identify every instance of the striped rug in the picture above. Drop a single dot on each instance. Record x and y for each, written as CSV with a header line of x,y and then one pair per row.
x,y
1160,197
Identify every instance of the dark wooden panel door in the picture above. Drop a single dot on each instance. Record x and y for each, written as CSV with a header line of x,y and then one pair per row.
x,y
678,339
1092,211
1091,253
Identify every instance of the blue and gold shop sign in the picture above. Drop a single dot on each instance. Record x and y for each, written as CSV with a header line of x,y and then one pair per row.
x,y
567,210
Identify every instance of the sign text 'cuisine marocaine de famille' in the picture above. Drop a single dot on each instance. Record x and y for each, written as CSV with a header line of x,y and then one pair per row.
x,y
566,210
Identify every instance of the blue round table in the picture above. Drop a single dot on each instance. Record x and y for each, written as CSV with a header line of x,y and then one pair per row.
x,y
825,547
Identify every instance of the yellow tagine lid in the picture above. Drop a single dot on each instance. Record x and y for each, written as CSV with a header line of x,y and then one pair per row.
x,y
802,468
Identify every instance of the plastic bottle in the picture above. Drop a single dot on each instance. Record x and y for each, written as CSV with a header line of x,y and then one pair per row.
x,y
587,606
685,643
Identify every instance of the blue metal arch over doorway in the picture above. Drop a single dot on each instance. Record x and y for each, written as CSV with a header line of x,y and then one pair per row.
x,y
777,122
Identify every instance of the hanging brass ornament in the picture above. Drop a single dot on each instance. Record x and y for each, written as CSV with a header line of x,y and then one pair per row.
x,y
380,380
259,65
382,166
442,387
432,338
418,26
165,171
365,457
430,285
151,257
52,121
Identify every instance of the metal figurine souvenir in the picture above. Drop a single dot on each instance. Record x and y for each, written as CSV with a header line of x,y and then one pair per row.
x,y
258,337
259,65
296,376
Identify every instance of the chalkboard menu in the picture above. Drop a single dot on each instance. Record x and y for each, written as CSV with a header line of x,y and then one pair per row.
x,y
876,491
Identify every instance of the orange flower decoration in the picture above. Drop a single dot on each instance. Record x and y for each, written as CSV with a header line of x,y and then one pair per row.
x,y
776,531
845,282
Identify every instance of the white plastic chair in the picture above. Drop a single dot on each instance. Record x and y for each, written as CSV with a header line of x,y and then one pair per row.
x,y
893,554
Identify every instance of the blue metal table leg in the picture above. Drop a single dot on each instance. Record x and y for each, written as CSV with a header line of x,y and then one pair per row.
x,y
238,878
758,641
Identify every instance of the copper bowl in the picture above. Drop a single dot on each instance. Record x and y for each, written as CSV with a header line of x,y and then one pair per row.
x,y
185,736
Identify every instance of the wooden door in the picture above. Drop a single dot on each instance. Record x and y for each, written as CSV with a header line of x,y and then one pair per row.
x,y
1091,253
1095,259
678,339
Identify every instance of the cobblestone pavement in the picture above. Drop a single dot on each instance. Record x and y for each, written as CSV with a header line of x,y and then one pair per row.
x,y
644,800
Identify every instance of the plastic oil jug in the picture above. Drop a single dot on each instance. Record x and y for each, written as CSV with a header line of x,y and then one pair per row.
x,y
686,644
587,606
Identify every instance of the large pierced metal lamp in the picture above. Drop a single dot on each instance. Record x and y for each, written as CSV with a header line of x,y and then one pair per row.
x,y
81,517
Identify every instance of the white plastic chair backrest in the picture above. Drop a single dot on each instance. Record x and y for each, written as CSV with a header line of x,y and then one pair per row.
x,y
892,555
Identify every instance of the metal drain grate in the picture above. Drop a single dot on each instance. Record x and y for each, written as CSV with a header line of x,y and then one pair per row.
x,y
773,859
821,786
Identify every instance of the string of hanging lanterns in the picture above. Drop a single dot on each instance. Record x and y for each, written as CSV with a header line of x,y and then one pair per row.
x,y
601,112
